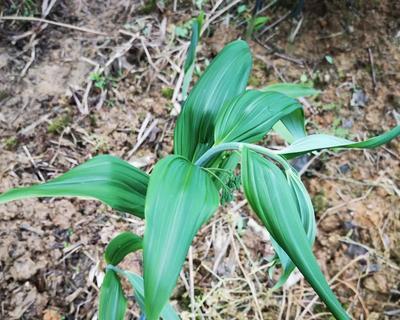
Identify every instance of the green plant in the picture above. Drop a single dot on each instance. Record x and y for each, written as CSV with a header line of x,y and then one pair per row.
x,y
101,81
255,24
26,8
59,124
218,127
11,143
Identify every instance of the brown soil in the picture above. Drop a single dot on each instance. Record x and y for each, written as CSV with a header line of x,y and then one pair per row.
x,y
51,249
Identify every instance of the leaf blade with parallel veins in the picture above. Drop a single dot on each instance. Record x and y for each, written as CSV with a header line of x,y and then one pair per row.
x,y
112,301
180,199
120,246
323,141
225,78
271,198
106,178
167,313
291,127
250,116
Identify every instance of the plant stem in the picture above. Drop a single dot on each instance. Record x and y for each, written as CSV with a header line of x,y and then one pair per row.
x,y
216,150
269,153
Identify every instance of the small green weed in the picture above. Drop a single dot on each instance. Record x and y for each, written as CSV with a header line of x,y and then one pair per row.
x,y
26,8
101,81
167,92
59,124
11,143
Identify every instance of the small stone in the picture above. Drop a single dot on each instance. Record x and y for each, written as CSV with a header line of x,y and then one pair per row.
x,y
344,168
347,124
359,99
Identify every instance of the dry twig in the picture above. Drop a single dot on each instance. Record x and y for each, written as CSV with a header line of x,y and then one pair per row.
x,y
59,24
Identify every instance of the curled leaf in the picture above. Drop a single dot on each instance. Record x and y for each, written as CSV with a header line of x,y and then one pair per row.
x,y
272,199
306,212
122,245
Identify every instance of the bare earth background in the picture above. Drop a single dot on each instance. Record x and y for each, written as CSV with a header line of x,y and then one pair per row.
x,y
123,66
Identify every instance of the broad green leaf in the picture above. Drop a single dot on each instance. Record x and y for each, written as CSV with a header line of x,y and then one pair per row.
x,y
323,141
106,178
293,90
295,124
191,54
224,79
168,313
304,204
249,117
259,22
122,245
283,132
112,301
306,211
272,199
181,197
291,127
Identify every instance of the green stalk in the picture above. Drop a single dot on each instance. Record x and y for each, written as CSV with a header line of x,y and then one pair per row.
x,y
212,153
230,146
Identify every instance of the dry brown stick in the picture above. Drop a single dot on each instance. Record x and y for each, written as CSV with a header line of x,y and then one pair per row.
x,y
191,283
184,280
331,281
273,25
348,285
59,24
250,283
33,125
275,52
46,7
32,161
269,5
288,58
309,163
371,60
335,208
143,138
283,305
289,305
21,111
32,58
296,30
210,18
247,253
